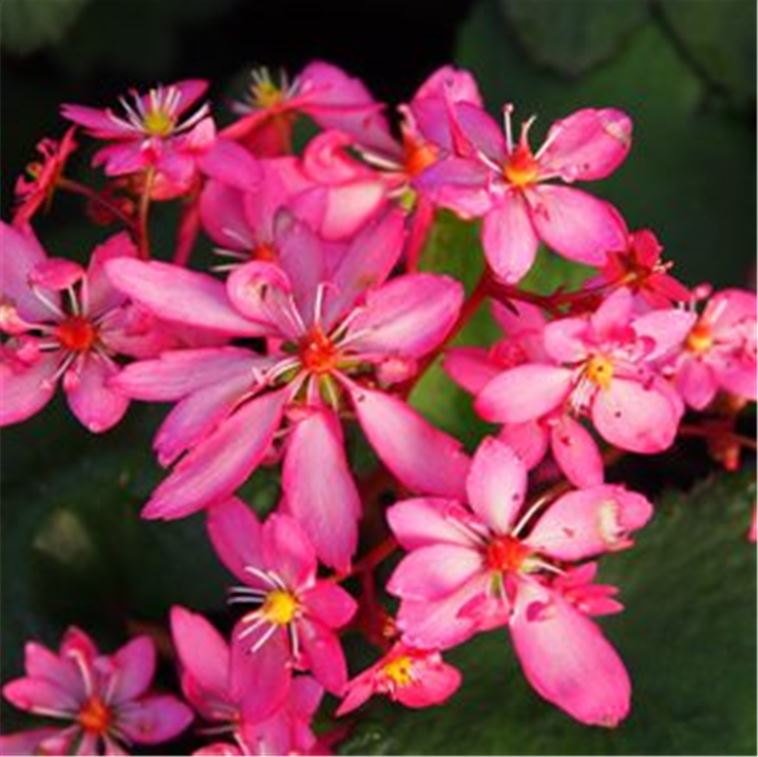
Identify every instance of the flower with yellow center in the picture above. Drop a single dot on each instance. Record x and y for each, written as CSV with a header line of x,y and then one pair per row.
x,y
700,339
280,607
599,370
399,671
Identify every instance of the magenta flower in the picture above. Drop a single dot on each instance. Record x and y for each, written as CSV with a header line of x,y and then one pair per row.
x,y
487,564
720,350
509,186
152,133
296,614
205,662
606,366
66,322
414,677
106,698
340,335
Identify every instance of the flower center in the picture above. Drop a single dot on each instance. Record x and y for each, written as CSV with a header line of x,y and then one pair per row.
x,y
700,339
95,716
506,554
599,371
399,670
266,94
418,156
318,353
76,333
264,251
280,607
521,169
158,122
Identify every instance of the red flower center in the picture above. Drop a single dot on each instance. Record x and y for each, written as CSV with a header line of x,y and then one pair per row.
x,y
521,168
95,716
318,353
265,252
418,156
506,554
76,333
700,339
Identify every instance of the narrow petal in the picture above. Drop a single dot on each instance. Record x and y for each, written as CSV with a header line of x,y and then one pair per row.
x,y
524,393
422,457
40,695
425,521
324,654
20,252
496,484
320,489
696,382
287,550
457,184
134,668
576,452
566,658
97,405
40,662
154,719
330,604
235,533
509,239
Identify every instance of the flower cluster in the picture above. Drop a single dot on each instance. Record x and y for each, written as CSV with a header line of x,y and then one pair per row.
x,y
314,326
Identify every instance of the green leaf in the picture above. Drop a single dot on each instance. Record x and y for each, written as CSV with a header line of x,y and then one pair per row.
x,y
29,25
573,37
687,636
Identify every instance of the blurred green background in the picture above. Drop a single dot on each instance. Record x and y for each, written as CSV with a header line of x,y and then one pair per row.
x,y
74,549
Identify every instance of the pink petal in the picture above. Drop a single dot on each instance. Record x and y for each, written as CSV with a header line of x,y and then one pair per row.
x,y
420,456
287,550
459,84
434,572
574,223
154,719
666,328
324,654
26,742
529,440
409,316
178,294
329,604
696,382
134,668
319,487
90,396
509,239
566,340
496,484
589,144
576,452
97,121
424,522
470,367
588,522
524,393
40,662
359,690
435,684
25,390
124,158
41,696
457,184
202,651
235,533
56,274
218,465
232,165
635,417
566,658
222,211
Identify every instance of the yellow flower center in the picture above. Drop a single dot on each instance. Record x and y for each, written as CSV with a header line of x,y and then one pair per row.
x,y
158,123
266,94
700,339
280,607
400,670
599,371
521,169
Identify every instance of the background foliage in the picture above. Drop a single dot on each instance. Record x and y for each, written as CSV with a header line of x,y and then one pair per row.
x,y
74,549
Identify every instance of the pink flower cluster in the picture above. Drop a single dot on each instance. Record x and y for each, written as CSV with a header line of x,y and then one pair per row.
x,y
317,320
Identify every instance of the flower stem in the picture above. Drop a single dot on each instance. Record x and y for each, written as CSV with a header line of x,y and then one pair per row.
x,y
70,185
143,213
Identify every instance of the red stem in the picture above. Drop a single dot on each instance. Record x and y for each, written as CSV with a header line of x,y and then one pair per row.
x,y
74,186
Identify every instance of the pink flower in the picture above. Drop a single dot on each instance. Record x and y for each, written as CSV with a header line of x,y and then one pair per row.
x,y
719,351
487,564
296,614
70,323
105,697
321,91
607,366
413,677
508,185
205,662
37,190
336,337
152,133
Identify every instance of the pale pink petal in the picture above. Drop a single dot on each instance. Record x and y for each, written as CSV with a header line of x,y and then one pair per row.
x,y
330,604
576,452
319,487
124,158
287,550
588,522
666,328
422,457
134,668
496,484
218,465
96,404
434,685
154,719
566,658
434,572
636,417
481,129
457,184
177,294
97,121
324,655
529,440
574,223
566,340
41,696
424,522
509,239
524,393
235,533
409,316
696,382
589,144
25,389
26,742
40,662
459,84
738,376
222,211
470,367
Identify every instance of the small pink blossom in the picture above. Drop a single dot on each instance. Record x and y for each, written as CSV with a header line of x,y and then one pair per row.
x,y
606,365
506,184
106,698
293,625
152,132
487,564
414,677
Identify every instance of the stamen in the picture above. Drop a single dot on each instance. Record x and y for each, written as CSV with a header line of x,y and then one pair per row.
x,y
266,636
262,575
47,302
507,112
